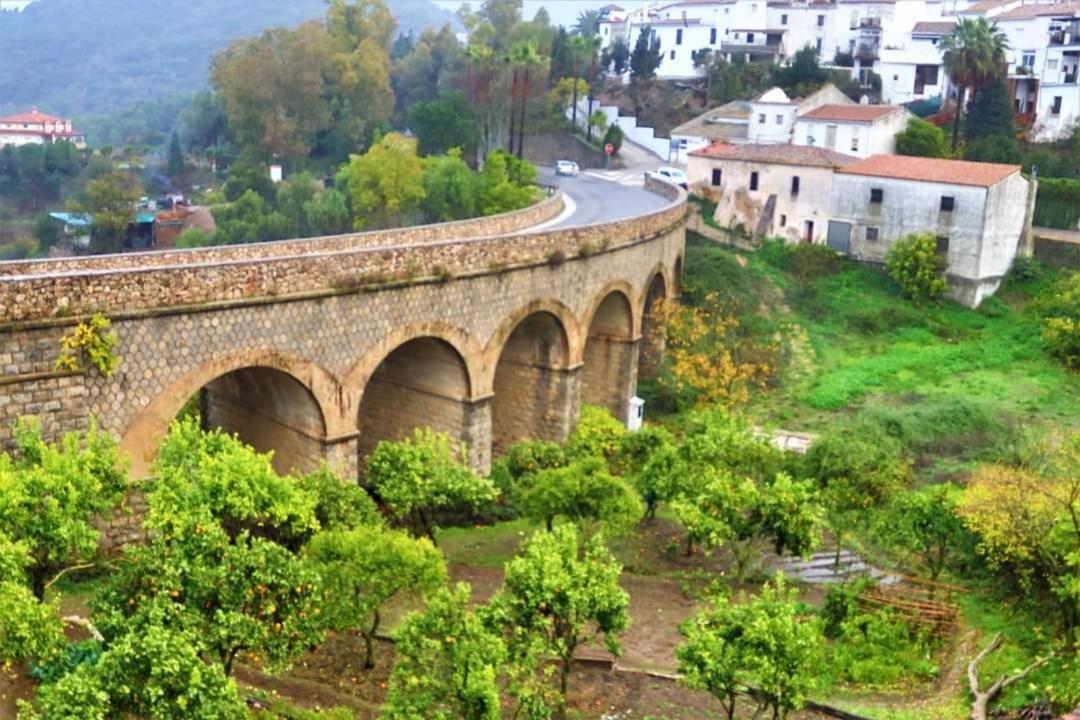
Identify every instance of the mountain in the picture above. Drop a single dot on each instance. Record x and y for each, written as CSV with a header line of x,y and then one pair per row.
x,y
77,57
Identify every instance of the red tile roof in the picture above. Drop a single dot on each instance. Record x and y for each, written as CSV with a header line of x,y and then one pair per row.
x,y
776,154
31,117
1031,10
935,27
952,172
985,5
851,113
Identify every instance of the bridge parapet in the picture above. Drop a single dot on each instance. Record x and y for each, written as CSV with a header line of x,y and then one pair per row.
x,y
130,283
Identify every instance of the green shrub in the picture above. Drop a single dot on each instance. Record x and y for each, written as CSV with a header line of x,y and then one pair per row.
x,y
804,262
880,650
916,267
1059,307
614,135
842,604
1057,204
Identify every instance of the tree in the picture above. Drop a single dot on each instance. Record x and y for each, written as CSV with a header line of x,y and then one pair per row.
x,y
580,48
111,200
529,60
247,175
1059,310
450,188
856,471
974,52
564,594
648,459
443,124
365,568
506,183
447,663
583,492
803,75
175,163
617,56
191,238
340,504
762,642
32,629
419,476
645,58
327,213
50,496
385,183
921,138
991,113
614,137
588,23
597,122
913,262
927,523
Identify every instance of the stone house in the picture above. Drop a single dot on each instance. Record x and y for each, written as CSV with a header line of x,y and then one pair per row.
x,y
859,130
769,190
978,211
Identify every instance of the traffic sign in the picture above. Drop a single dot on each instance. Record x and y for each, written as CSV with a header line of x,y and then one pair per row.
x,y
609,149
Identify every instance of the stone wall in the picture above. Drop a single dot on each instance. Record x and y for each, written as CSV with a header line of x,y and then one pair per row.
x,y
546,148
1058,253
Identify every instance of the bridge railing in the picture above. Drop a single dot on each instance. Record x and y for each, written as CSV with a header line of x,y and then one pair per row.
x,y
206,280
513,221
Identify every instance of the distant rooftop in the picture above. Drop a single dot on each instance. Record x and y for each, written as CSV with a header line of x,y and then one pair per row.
x,y
724,122
777,154
32,117
851,113
952,172
934,27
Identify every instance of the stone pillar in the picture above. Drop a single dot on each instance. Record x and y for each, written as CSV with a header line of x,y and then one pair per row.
x,y
609,377
342,456
476,433
1027,237
534,402
651,347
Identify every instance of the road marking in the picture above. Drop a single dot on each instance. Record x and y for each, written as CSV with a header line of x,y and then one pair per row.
x,y
569,208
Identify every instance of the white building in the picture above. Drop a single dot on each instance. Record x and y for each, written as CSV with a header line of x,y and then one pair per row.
x,y
915,71
858,130
768,190
772,115
35,128
728,123
977,211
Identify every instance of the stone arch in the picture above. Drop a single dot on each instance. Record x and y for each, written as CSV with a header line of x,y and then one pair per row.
x,y
289,405
533,376
423,382
651,351
609,372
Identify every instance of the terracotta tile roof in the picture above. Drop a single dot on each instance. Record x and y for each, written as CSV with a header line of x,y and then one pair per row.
x,y
952,172
985,5
851,113
31,117
937,27
777,154
1031,10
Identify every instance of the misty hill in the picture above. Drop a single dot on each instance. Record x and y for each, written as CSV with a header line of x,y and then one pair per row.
x,y
75,57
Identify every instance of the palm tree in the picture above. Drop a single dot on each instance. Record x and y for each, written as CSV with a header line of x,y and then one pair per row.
x,y
526,57
578,48
974,53
588,24
593,47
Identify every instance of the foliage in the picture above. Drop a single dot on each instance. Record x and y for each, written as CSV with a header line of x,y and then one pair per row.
x,y
913,262
1057,204
702,362
110,199
645,57
32,629
447,663
597,435
416,477
565,594
921,138
762,642
50,496
444,124
614,136
191,238
450,188
617,56
879,650
33,175
991,116
89,343
365,568
339,504
153,673
583,492
1059,308
646,458
974,54
925,522
803,75
841,604
385,183
506,183
175,162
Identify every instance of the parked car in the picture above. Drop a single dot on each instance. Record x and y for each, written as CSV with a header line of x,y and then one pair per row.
x,y
671,175
566,167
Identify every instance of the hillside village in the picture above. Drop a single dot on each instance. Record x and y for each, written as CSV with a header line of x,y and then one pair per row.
x,y
692,359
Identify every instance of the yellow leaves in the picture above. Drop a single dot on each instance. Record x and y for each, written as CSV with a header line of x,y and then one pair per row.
x,y
89,343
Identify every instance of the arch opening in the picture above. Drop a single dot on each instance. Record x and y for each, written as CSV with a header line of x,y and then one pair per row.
x,y
534,387
608,378
421,383
270,410
651,352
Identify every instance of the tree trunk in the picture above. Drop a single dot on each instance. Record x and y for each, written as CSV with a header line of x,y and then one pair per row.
x,y
524,109
573,109
513,107
956,120
369,642
982,698
588,120
689,545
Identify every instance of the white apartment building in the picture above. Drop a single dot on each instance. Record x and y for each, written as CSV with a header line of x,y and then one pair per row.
x,y
915,71
37,128
856,130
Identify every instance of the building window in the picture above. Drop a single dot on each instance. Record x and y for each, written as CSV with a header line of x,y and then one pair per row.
x,y
942,245
672,55
783,19
821,21
716,175
1055,109
877,195
817,46
779,119
783,220
795,185
1027,59
1051,65
753,181
712,36
761,119
948,202
678,36
749,38
854,143
871,234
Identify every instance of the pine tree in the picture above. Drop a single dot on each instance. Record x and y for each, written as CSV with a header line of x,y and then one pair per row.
x,y
176,156
645,58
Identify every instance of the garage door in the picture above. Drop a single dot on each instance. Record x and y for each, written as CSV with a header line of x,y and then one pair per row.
x,y
839,236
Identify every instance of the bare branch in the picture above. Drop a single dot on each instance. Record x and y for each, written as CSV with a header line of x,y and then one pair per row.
x,y
84,623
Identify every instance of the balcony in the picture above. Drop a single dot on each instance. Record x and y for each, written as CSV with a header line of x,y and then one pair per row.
x,y
866,52
1065,34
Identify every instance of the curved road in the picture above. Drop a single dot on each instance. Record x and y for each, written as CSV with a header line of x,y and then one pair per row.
x,y
601,196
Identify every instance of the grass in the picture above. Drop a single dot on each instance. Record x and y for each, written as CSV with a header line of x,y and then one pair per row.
x,y
953,381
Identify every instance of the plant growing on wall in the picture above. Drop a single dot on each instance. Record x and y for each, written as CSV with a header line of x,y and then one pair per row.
x,y
89,343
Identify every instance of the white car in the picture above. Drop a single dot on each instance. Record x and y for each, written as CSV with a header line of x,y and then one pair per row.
x,y
671,175
566,167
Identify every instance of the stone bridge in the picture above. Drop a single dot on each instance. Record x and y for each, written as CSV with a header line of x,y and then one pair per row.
x,y
491,330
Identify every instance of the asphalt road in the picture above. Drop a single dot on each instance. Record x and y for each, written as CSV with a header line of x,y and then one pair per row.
x,y
617,195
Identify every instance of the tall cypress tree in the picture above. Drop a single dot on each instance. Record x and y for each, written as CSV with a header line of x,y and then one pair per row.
x,y
989,130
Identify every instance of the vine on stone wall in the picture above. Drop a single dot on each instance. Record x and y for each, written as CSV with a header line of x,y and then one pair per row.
x,y
89,343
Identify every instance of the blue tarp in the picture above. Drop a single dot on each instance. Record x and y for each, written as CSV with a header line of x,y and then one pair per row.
x,y
73,219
